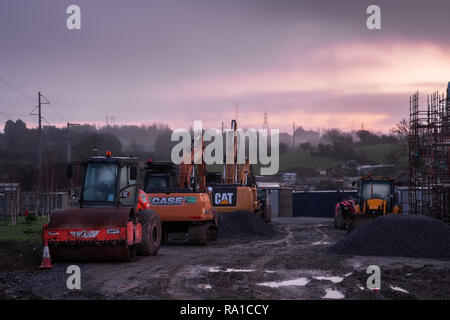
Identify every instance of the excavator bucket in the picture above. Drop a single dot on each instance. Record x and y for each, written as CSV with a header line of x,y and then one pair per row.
x,y
92,234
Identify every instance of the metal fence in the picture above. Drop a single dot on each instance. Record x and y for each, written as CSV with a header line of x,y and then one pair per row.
x,y
9,203
50,201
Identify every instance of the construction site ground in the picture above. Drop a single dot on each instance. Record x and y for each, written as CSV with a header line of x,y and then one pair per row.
x,y
293,264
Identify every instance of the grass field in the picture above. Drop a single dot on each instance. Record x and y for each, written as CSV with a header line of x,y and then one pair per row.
x,y
376,153
305,160
24,230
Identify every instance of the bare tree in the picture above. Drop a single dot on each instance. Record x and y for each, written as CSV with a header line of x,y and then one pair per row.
x,y
401,128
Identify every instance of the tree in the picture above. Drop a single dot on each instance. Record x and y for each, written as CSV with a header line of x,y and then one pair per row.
x,y
284,148
20,141
367,137
324,149
93,144
306,146
335,135
401,129
163,144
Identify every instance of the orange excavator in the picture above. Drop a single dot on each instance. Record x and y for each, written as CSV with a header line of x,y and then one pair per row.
x,y
237,191
178,193
114,221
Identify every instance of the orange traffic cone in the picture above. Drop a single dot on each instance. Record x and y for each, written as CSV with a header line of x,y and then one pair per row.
x,y
46,261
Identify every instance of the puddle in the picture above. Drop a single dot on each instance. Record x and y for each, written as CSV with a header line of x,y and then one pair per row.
x,y
216,269
293,282
332,279
318,243
399,289
333,294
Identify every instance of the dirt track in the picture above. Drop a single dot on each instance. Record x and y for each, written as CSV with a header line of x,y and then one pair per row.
x,y
233,269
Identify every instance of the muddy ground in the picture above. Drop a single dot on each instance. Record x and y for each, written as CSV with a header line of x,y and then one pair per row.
x,y
293,264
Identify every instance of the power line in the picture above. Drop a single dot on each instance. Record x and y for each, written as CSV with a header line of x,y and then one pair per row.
x,y
12,114
17,90
7,117
43,118
54,109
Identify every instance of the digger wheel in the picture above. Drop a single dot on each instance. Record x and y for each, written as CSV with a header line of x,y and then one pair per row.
x,y
339,221
202,234
151,233
212,233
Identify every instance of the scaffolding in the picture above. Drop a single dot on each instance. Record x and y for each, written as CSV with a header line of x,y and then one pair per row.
x,y
429,156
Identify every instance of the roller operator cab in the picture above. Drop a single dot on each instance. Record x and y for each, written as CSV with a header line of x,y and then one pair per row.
x,y
113,221
182,210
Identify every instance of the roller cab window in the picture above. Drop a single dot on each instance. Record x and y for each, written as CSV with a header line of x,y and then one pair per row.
x,y
100,182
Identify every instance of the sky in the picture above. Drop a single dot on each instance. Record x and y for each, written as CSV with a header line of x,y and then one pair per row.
x,y
314,63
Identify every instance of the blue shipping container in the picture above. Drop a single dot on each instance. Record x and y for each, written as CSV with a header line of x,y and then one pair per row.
x,y
318,203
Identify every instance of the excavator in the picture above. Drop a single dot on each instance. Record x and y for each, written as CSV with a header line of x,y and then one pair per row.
x,y
376,197
180,196
114,221
237,191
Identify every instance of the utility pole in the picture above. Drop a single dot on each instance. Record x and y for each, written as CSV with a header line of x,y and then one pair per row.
x,y
69,147
236,108
293,136
40,148
40,151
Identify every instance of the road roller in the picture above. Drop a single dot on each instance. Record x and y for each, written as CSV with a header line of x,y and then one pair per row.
x,y
114,221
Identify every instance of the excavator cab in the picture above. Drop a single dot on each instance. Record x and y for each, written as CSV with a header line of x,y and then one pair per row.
x,y
161,177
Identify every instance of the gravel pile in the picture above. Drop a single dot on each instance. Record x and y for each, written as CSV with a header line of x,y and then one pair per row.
x,y
398,236
243,225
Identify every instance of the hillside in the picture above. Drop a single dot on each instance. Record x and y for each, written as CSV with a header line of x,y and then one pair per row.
x,y
376,154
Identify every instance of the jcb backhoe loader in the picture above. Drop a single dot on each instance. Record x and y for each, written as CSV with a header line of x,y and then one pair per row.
x,y
376,197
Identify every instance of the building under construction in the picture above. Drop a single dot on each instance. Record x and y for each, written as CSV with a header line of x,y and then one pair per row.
x,y
429,156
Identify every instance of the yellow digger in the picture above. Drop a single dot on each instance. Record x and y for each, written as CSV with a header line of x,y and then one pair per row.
x,y
376,197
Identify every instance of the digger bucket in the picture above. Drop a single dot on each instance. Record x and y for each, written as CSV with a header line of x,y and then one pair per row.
x,y
91,234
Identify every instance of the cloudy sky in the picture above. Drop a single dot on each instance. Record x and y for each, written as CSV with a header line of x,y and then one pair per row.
x,y
143,61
